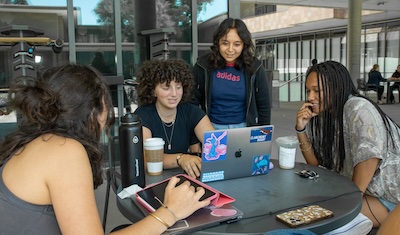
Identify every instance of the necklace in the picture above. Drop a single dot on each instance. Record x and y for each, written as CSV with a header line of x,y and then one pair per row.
x,y
170,124
166,117
169,140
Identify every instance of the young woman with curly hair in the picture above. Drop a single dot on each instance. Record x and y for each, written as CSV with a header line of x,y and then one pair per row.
x,y
346,132
231,83
164,87
50,166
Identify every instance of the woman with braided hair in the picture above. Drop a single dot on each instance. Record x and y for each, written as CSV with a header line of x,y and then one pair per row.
x,y
346,132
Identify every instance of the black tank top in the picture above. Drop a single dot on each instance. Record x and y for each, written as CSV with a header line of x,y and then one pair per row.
x,y
21,217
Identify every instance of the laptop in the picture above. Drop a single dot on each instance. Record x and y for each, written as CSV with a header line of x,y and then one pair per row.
x,y
236,153
201,219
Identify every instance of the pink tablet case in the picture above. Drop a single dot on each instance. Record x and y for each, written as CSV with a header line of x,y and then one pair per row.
x,y
218,199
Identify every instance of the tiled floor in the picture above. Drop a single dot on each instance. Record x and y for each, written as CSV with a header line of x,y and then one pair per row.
x,y
284,120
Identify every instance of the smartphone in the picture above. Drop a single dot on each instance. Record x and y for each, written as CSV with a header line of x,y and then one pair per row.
x,y
305,215
151,197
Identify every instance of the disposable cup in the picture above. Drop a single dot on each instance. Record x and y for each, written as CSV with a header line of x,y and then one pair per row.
x,y
154,153
287,151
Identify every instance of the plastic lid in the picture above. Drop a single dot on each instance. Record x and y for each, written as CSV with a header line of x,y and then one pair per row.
x,y
130,118
153,142
287,140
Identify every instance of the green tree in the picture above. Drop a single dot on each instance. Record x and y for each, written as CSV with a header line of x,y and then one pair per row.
x,y
15,2
170,13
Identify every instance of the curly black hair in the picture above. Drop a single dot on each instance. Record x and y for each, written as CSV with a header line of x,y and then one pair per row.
x,y
245,60
154,72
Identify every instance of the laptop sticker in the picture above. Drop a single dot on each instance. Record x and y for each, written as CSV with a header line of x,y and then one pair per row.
x,y
214,147
213,176
260,164
261,134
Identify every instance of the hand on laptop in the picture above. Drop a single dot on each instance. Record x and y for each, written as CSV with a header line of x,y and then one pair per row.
x,y
191,164
183,200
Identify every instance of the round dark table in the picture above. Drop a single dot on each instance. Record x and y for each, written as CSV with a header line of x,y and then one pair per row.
x,y
262,197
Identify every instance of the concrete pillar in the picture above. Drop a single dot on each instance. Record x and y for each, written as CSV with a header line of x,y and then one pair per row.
x,y
354,39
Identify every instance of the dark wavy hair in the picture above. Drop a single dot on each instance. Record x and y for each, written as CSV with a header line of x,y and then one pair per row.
x,y
326,129
154,72
245,60
64,101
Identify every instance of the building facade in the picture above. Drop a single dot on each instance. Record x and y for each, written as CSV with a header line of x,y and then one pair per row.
x,y
287,37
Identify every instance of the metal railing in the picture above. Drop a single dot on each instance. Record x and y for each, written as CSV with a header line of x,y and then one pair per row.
x,y
287,82
294,93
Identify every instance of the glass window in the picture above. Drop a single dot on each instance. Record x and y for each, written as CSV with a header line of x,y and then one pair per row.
x,y
305,61
327,49
344,50
46,22
292,60
392,50
370,52
320,49
381,48
335,49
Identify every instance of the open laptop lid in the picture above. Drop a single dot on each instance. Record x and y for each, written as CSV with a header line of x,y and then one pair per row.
x,y
201,219
236,153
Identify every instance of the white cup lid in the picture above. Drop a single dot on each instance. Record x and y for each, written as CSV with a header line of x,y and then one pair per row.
x,y
153,142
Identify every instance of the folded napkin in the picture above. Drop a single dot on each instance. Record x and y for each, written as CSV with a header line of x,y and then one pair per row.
x,y
129,191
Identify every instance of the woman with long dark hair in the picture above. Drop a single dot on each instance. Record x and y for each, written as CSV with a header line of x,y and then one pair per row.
x,y
50,166
346,132
231,83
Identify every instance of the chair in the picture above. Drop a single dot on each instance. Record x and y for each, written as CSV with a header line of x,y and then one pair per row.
x,y
364,87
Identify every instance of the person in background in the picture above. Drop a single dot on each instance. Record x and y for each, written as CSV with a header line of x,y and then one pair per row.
x,y
98,62
396,77
164,87
375,77
50,166
231,84
314,62
343,131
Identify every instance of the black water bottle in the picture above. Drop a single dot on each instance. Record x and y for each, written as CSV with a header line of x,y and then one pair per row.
x,y
131,151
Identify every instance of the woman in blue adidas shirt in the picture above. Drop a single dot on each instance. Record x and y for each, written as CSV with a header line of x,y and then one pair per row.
x,y
231,83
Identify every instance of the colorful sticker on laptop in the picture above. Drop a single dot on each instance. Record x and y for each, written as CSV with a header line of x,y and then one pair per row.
x,y
212,176
214,147
260,164
261,134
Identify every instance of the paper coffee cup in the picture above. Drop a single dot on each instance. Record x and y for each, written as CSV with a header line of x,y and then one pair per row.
x,y
154,153
287,151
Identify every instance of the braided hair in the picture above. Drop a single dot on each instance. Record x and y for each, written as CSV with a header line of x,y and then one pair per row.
x,y
326,130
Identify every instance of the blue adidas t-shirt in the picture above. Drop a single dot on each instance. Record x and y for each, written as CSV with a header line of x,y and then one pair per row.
x,y
228,94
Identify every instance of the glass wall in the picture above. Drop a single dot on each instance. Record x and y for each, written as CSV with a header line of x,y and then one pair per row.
x,y
379,45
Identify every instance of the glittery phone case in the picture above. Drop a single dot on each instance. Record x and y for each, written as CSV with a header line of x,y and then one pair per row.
x,y
305,215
